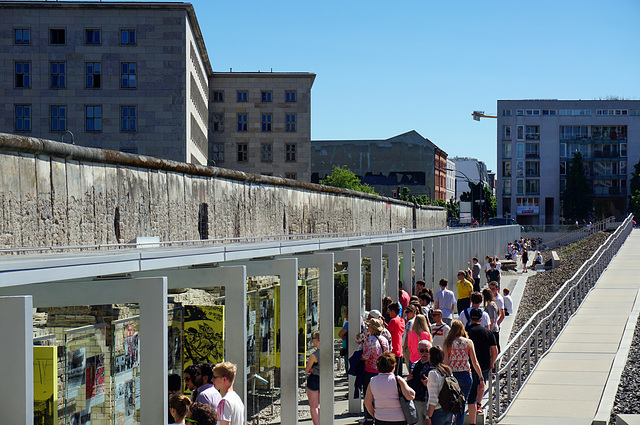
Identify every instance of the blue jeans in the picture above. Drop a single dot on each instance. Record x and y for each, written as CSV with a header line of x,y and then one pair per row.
x,y
440,417
464,380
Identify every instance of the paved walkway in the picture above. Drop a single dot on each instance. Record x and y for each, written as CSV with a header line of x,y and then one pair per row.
x,y
568,384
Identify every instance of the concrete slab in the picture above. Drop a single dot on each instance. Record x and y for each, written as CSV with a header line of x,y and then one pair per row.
x,y
628,420
560,391
591,338
544,409
569,378
536,420
594,346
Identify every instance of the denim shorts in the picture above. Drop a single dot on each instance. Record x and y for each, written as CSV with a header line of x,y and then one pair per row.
x,y
313,382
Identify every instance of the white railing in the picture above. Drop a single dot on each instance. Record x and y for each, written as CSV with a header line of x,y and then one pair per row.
x,y
519,358
580,233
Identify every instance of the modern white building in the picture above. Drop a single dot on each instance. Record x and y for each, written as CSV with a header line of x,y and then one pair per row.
x,y
451,179
468,169
536,141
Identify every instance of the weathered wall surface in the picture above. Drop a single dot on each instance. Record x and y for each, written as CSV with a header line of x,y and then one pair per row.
x,y
55,194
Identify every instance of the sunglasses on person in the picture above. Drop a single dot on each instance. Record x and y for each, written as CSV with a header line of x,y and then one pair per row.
x,y
422,350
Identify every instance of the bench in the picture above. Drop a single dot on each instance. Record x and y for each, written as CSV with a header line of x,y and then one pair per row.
x,y
508,265
555,259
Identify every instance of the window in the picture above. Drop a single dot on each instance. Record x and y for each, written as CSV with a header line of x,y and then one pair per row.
x,y
609,112
519,150
93,75
290,96
266,96
506,112
623,150
549,112
623,168
218,96
506,150
570,132
563,150
242,96
519,187
563,168
58,75
532,112
520,112
217,152
266,122
128,37
532,169
218,122
22,36
506,169
58,117
533,132
292,176
266,152
128,75
242,122
506,132
577,112
290,123
243,152
93,118
506,187
520,132
23,117
128,115
290,152
519,169
57,36
92,36
23,75
532,150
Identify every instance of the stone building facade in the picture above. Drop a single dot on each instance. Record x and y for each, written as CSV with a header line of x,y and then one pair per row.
x,y
261,123
130,77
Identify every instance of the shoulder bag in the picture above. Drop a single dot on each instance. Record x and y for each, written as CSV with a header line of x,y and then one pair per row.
x,y
408,407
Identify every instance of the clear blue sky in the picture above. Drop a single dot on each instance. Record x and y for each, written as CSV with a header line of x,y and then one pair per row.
x,y
384,68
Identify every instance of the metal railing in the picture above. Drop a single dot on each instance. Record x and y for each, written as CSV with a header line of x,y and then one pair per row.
x,y
580,233
520,357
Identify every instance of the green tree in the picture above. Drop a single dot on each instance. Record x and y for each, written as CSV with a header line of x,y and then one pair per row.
x,y
634,191
453,209
577,198
345,178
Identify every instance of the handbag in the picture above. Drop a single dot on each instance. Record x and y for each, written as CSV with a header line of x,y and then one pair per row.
x,y
408,407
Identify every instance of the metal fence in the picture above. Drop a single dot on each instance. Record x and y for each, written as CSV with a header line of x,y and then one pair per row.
x,y
518,359
580,233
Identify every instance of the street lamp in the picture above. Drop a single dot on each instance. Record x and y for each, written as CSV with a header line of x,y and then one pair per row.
x,y
469,182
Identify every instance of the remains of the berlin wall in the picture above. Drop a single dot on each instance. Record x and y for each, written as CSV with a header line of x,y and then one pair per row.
x,y
57,194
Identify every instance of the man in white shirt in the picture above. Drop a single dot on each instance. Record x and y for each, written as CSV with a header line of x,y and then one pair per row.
x,y
230,409
439,329
500,301
445,300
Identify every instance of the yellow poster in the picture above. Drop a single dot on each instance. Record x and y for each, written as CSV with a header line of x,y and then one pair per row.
x,y
45,385
203,334
302,324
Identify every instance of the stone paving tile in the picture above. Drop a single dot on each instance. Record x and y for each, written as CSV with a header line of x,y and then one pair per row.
x,y
555,391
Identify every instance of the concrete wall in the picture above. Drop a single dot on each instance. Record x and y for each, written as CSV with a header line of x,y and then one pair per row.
x,y
54,194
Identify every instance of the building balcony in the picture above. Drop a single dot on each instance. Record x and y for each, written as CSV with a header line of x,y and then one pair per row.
x,y
532,173
532,155
601,154
532,136
609,191
532,192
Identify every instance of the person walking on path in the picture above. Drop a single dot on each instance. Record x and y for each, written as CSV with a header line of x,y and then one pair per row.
x,y
383,390
486,351
396,328
436,415
313,380
476,269
439,329
207,393
525,259
417,379
495,287
372,348
445,300
460,355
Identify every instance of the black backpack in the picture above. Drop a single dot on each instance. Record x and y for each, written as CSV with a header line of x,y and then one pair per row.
x,y
451,397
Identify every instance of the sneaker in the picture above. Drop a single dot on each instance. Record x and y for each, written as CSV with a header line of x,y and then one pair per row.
x,y
479,410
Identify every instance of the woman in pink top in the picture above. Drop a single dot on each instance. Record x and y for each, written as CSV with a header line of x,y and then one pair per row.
x,y
460,354
419,331
384,390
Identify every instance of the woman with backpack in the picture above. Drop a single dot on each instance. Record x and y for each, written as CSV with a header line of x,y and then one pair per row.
x,y
436,415
372,348
460,355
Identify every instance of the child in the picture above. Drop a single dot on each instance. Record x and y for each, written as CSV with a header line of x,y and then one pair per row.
x,y
508,302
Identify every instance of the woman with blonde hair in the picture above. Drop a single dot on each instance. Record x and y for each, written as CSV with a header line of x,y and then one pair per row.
x,y
418,332
179,406
460,355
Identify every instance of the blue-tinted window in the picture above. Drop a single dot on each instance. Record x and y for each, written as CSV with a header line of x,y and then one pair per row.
x,y
290,96
266,96
57,36
242,122
92,36
22,36
290,123
23,74
128,75
242,96
58,75
93,75
266,122
128,37
23,117
93,118
128,117
58,118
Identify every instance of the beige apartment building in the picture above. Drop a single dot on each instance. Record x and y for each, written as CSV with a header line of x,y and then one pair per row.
x,y
261,122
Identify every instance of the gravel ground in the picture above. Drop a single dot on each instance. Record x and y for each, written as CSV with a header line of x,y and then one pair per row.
x,y
543,286
628,395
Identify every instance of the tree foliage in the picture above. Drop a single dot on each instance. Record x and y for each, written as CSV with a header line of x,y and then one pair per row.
x,y
577,198
634,191
484,203
345,178
453,207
